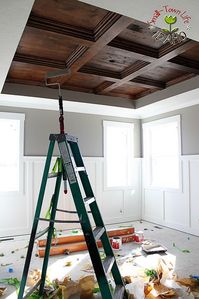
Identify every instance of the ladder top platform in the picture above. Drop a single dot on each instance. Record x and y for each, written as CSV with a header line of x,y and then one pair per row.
x,y
63,137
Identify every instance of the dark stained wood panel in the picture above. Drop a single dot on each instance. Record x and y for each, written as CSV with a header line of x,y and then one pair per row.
x,y
45,44
25,72
139,31
105,52
112,59
163,73
84,80
71,12
127,89
192,54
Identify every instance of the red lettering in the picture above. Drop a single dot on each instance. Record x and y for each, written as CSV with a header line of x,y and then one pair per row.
x,y
165,7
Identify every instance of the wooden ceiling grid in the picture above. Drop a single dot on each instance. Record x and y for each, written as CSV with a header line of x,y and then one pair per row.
x,y
106,53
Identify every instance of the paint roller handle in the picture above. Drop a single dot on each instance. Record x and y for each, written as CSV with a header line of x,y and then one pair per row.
x,y
61,115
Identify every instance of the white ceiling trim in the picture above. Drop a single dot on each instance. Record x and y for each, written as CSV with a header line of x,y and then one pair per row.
x,y
186,99
70,106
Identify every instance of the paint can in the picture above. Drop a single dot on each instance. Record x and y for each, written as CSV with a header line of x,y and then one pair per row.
x,y
139,237
116,243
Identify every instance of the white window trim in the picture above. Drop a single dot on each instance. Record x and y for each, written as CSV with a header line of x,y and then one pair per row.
x,y
115,124
21,118
147,182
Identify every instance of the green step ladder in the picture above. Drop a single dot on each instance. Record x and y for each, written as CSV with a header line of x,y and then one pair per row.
x,y
70,170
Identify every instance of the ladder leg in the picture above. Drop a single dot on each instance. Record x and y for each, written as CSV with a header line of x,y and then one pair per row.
x,y
50,233
35,222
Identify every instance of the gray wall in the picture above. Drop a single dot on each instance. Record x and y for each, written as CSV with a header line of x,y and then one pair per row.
x,y
189,128
88,128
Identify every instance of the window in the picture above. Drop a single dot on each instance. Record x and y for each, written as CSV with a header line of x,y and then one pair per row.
x,y
118,153
162,151
11,151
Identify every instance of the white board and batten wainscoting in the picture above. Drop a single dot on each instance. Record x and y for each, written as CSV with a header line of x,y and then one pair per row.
x,y
176,209
116,206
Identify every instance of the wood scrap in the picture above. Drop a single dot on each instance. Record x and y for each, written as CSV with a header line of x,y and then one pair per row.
x,y
80,238
86,285
2,290
71,288
160,291
188,282
33,277
76,247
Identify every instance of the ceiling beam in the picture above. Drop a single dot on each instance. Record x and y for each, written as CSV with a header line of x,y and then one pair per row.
x,y
139,68
102,86
146,53
93,71
111,32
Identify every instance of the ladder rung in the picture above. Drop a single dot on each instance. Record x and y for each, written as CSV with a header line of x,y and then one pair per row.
x,y
98,232
53,175
43,232
58,221
108,263
32,290
66,211
119,292
89,200
81,168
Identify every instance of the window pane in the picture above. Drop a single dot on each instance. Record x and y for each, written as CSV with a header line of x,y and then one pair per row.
x,y
164,139
162,150
118,151
9,154
165,172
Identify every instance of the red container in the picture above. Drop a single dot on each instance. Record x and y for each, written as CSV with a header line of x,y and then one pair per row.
x,y
116,243
139,237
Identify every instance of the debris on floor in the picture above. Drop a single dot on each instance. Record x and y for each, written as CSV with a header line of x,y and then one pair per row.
x,y
33,277
147,275
182,250
11,281
2,290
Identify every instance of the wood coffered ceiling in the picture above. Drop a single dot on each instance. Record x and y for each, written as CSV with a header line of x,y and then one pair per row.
x,y
106,53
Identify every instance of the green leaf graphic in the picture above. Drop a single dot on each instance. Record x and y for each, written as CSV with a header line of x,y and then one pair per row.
x,y
175,29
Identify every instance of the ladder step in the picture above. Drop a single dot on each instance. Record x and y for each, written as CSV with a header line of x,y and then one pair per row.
x,y
41,233
89,200
119,292
108,263
59,221
32,290
70,212
80,168
66,211
98,232
53,175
